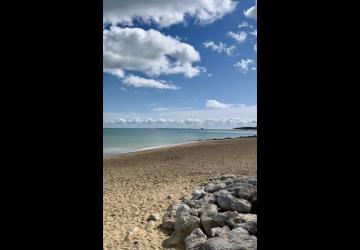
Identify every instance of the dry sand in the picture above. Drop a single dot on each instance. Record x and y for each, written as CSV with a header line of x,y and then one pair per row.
x,y
140,183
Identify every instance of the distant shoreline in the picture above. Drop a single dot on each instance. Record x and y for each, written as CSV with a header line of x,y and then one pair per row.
x,y
151,149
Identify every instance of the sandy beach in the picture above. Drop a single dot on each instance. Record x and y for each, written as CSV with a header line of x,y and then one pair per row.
x,y
144,182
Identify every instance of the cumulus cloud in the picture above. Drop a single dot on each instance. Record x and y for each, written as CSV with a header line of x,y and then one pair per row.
x,y
147,51
214,104
171,118
165,12
220,48
239,37
251,12
243,65
139,82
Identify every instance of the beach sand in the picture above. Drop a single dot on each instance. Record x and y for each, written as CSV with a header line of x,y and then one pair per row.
x,y
140,183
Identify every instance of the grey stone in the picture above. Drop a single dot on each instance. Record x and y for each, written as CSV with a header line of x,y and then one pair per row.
x,y
219,231
195,240
221,218
246,192
208,209
154,217
169,218
184,225
241,205
227,201
198,193
208,223
250,226
213,187
237,239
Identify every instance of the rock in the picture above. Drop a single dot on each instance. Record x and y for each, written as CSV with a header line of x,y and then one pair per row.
x,y
241,205
250,226
219,231
208,223
181,210
198,193
237,239
195,240
249,223
154,217
227,201
184,225
215,217
213,187
222,218
227,176
248,217
246,192
194,212
132,233
208,209
169,218
186,198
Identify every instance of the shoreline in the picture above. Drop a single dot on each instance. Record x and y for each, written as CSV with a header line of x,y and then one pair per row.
x,y
150,149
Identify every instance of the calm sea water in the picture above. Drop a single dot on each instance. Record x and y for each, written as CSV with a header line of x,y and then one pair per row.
x,y
123,140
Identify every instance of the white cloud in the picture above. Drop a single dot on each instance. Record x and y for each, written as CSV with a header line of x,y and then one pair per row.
x,y
251,12
139,82
255,47
235,116
243,65
245,25
220,48
165,12
254,33
147,51
239,37
214,104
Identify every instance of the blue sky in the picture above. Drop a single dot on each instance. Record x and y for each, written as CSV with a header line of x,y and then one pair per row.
x,y
191,65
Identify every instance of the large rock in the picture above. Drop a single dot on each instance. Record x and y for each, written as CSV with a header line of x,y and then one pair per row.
x,y
241,205
184,225
213,187
237,239
249,223
222,218
227,201
198,193
219,231
246,192
169,218
250,226
195,240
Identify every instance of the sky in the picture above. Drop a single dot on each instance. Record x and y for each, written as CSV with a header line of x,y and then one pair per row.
x,y
179,64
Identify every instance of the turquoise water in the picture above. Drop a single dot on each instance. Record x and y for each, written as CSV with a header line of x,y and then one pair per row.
x,y
123,140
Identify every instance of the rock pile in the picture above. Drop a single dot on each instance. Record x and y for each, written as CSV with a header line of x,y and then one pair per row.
x,y
219,215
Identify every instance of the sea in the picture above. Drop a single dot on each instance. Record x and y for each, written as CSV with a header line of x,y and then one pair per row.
x,y
125,140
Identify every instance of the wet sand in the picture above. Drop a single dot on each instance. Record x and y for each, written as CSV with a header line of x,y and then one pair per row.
x,y
144,182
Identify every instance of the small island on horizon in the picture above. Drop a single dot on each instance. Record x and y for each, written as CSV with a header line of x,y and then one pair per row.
x,y
247,128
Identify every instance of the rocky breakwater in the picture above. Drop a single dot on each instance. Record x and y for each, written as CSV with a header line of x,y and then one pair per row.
x,y
219,215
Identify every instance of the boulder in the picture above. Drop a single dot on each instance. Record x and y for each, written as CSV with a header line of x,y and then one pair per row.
x,y
227,201
169,218
219,231
195,240
213,187
237,239
184,225
250,226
